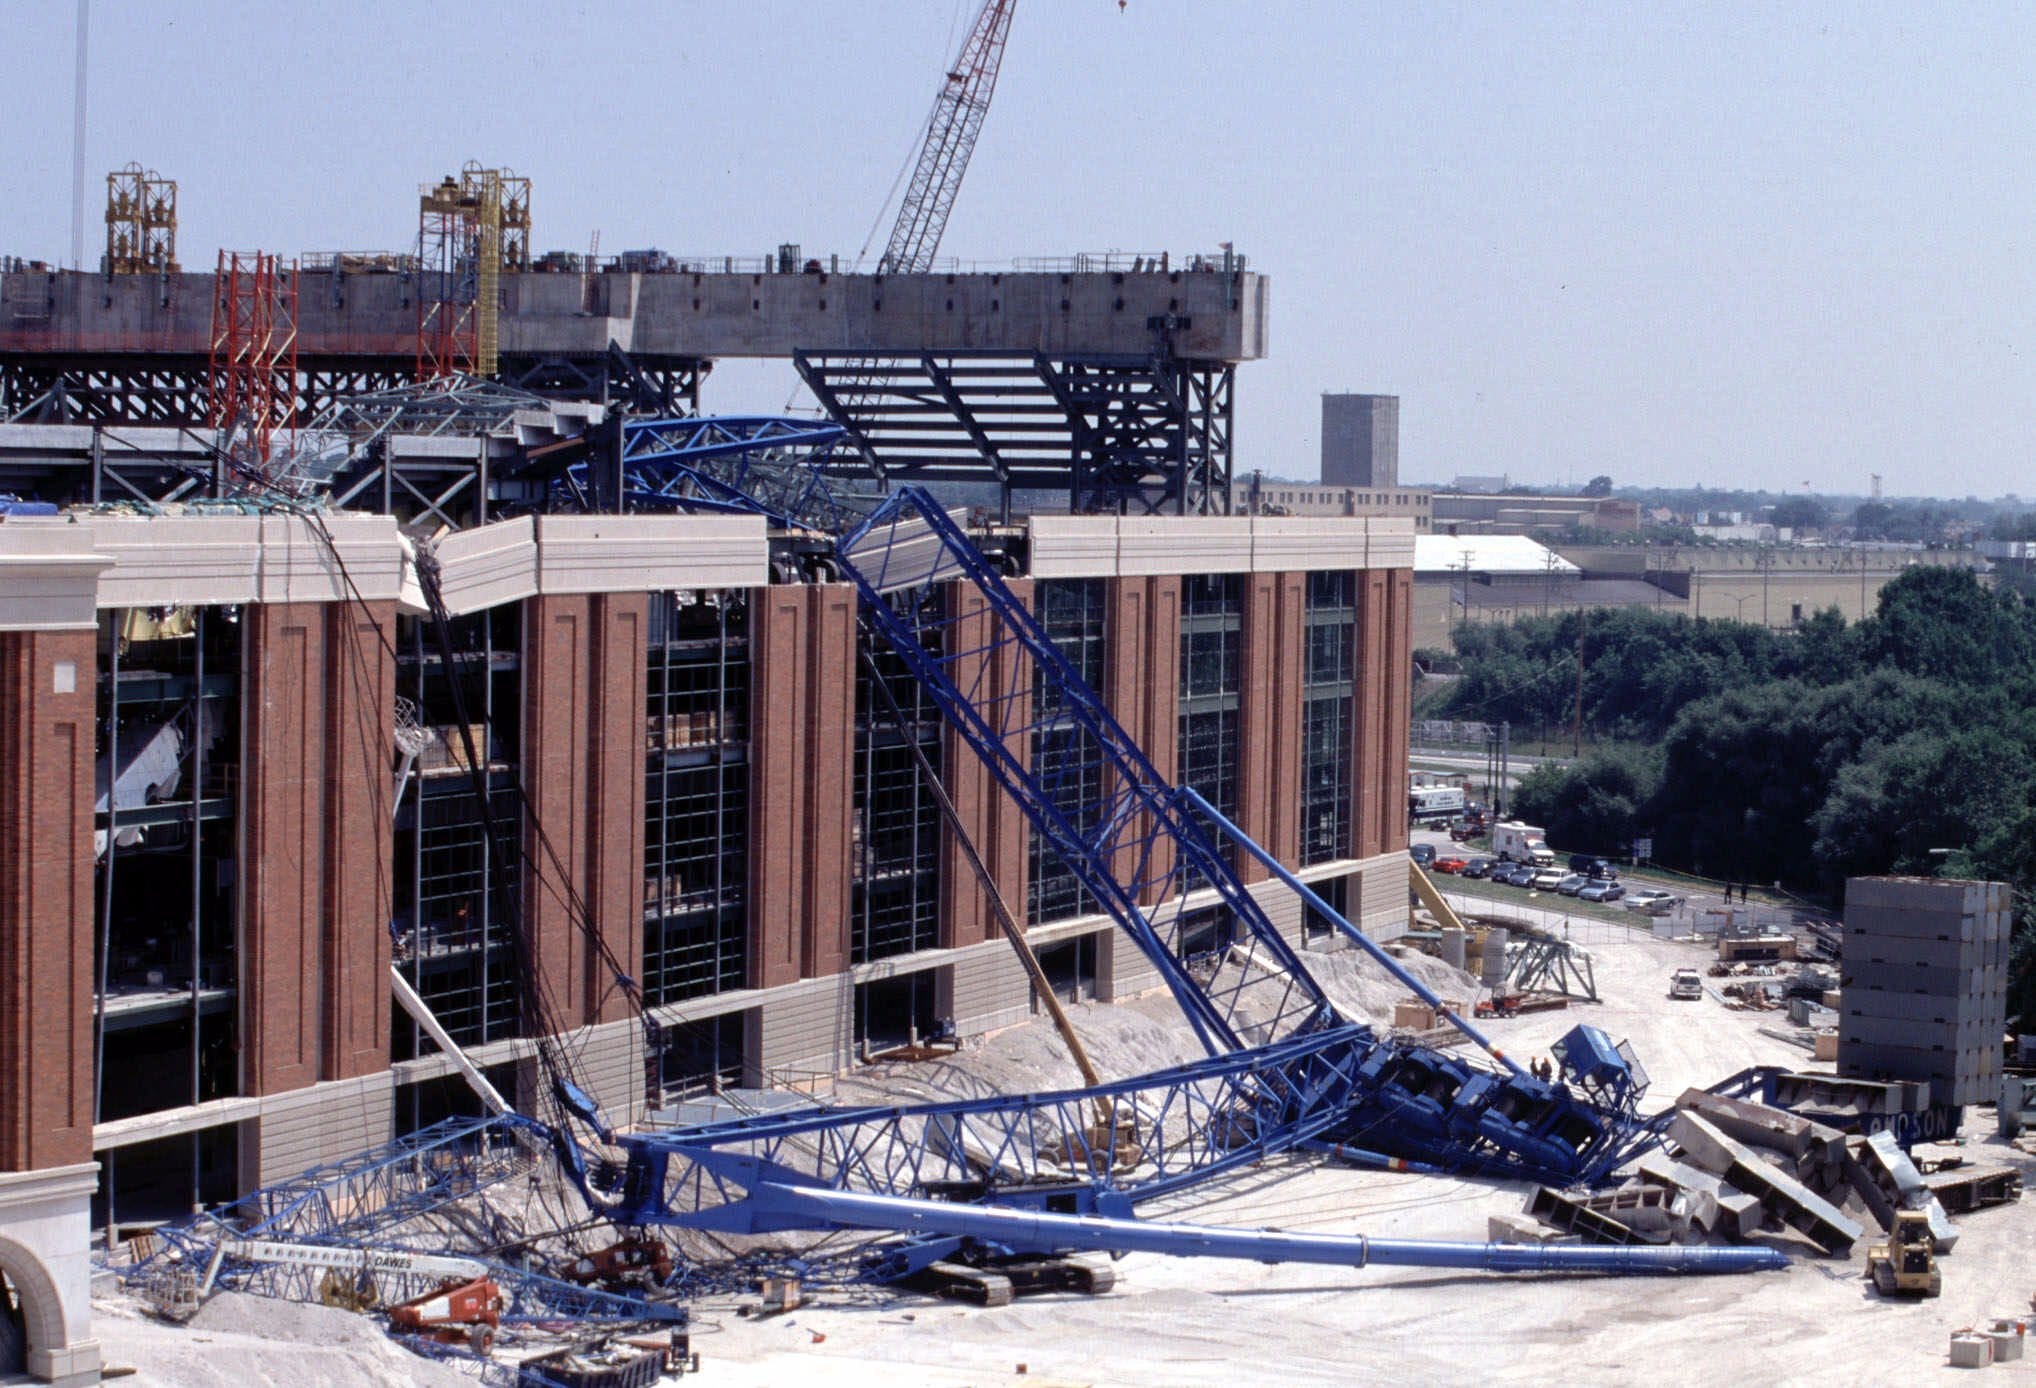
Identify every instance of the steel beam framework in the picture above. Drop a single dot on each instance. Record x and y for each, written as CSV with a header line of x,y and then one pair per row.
x,y
1142,435
170,388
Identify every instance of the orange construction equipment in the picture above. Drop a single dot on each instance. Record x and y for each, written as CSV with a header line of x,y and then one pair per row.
x,y
458,1312
626,1260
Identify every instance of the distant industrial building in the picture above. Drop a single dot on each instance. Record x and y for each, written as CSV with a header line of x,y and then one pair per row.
x,y
1478,577
1319,499
1361,441
1460,513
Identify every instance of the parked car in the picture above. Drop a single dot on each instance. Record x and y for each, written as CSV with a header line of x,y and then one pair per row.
x,y
1686,983
1480,867
1450,865
1653,902
1513,874
1547,879
1590,865
1423,853
1572,884
1601,891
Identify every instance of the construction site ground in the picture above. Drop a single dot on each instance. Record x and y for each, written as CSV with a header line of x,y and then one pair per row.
x,y
1185,1322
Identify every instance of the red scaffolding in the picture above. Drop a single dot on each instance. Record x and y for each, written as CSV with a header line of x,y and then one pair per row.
x,y
448,235
253,376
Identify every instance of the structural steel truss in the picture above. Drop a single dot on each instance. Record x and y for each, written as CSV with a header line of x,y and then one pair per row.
x,y
1142,434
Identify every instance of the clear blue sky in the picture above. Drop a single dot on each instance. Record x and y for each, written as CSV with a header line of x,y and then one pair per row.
x,y
1739,245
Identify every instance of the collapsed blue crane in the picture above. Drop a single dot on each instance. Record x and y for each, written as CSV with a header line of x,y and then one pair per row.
x,y
1027,1174
1285,1067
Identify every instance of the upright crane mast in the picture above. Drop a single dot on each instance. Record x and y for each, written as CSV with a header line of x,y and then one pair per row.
x,y
950,139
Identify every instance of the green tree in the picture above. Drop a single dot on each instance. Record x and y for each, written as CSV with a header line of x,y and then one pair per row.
x,y
1894,803
1601,485
1939,622
1594,804
1801,513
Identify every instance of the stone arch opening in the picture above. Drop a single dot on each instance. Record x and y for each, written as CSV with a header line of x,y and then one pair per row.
x,y
42,1309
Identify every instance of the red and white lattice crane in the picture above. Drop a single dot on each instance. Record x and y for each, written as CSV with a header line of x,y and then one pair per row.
x,y
950,139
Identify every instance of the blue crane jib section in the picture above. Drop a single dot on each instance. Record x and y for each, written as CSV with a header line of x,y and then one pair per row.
x,y
1102,1150
747,464
1139,850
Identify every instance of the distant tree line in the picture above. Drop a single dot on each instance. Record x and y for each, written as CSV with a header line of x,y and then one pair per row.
x,y
1904,743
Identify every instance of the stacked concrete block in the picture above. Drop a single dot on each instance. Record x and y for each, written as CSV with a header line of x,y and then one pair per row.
x,y
1925,990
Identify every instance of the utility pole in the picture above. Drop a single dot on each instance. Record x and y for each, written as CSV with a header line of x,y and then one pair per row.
x,y
78,140
1576,748
1504,784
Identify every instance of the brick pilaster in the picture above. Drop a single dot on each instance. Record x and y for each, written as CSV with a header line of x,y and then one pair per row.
x,y
802,749
1259,687
1276,742
1127,632
47,751
359,849
1399,704
583,769
777,788
830,798
557,659
999,683
615,760
965,916
1370,815
1010,832
283,841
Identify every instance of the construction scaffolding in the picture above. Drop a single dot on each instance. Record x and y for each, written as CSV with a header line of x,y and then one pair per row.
x,y
447,260
253,365
141,223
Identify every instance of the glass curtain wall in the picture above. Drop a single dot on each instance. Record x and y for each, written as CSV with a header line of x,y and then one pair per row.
x,y
696,799
164,845
1327,706
895,853
1064,757
1212,633
452,929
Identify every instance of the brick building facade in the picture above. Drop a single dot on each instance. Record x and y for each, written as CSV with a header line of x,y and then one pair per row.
x,y
677,751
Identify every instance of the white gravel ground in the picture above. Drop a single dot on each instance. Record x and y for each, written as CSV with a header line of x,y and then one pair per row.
x,y
1204,1322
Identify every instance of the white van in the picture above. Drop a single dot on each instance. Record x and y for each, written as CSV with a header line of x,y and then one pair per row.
x,y
1515,842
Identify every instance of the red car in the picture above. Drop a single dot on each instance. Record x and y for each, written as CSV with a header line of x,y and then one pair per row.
x,y
1449,864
